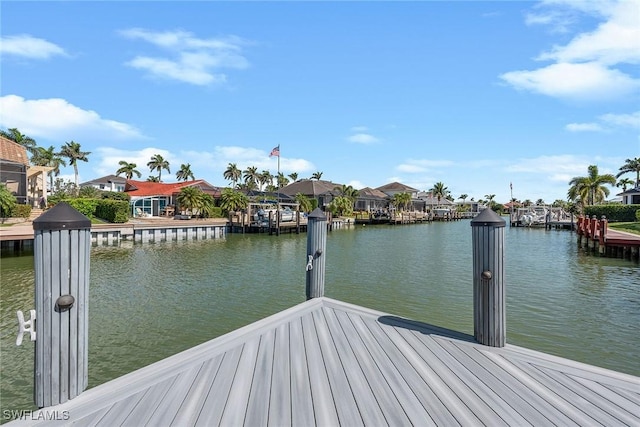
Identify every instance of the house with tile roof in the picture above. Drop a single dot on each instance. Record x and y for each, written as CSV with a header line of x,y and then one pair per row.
x,y
322,191
27,183
394,188
370,199
159,198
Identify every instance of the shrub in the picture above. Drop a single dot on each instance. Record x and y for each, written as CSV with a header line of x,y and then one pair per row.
x,y
21,211
613,212
638,215
7,201
86,207
115,195
116,211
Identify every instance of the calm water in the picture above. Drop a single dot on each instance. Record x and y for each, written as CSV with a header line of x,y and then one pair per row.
x,y
151,301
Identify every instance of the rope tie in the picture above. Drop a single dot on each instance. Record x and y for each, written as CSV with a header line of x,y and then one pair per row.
x,y
310,263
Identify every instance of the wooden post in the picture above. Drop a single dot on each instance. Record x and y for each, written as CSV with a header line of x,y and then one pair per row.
x,y
62,243
316,247
602,235
488,279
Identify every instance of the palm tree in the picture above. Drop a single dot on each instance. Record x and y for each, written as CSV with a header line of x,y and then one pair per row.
x,y
293,176
185,172
14,135
463,197
250,176
402,200
232,173
190,199
128,169
71,150
631,165
264,178
624,183
347,191
316,176
439,190
540,202
158,163
153,179
282,180
303,202
48,157
232,200
489,197
590,189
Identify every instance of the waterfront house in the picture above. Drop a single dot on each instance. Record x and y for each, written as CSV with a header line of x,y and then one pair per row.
x,y
152,199
26,182
394,188
107,183
370,200
631,196
322,191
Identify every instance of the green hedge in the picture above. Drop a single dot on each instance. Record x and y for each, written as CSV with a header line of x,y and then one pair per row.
x,y
614,212
20,211
116,211
638,215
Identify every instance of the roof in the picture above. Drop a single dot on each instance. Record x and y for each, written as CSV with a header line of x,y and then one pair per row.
x,y
106,180
430,199
13,152
309,187
630,191
328,363
371,193
396,187
148,188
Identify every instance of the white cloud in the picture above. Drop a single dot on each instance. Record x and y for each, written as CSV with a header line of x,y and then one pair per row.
x,y
56,118
586,81
363,138
585,67
28,46
190,59
107,159
623,120
584,127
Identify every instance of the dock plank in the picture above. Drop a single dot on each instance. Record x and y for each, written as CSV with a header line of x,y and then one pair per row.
x,y
325,362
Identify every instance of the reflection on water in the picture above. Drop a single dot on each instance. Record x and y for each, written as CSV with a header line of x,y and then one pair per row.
x,y
150,301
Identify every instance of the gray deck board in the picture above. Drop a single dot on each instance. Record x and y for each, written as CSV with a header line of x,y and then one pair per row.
x,y
329,363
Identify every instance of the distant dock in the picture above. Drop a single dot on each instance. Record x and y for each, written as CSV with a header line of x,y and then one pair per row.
x,y
594,235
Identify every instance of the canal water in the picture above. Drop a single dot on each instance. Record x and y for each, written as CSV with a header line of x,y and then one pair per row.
x,y
149,301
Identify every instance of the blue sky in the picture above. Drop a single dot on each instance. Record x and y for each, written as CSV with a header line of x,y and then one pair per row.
x,y
476,95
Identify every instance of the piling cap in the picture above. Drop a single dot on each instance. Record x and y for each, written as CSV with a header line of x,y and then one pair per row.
x,y
61,217
317,214
488,217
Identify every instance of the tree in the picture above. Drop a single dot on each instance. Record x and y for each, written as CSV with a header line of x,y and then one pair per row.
x,y
282,180
341,205
624,183
153,179
293,176
490,197
347,191
316,176
250,176
630,166
232,173
463,197
590,189
14,135
158,163
439,190
264,178
190,198
185,172
232,200
71,150
540,202
402,200
128,169
48,157
304,203
7,202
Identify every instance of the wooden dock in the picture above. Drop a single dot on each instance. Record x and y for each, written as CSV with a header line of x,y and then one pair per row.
x,y
329,363
594,235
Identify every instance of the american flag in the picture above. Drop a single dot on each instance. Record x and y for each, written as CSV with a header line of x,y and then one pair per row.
x,y
275,152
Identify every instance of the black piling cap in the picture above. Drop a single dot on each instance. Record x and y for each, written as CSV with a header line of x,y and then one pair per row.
x,y
488,217
317,214
61,217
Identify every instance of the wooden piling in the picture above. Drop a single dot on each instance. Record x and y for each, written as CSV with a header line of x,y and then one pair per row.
x,y
316,247
488,279
62,243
